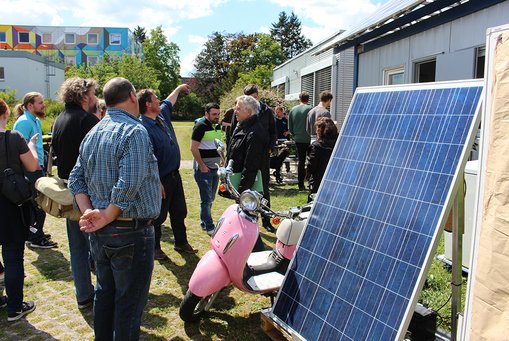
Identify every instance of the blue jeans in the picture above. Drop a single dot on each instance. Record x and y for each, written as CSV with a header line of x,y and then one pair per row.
x,y
79,248
124,263
12,254
207,184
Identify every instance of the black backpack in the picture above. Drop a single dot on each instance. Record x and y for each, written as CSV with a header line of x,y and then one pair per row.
x,y
14,186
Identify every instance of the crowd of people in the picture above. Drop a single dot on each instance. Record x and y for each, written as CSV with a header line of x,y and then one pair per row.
x,y
123,171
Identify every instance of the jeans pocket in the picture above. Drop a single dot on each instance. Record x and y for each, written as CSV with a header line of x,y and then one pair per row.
x,y
121,258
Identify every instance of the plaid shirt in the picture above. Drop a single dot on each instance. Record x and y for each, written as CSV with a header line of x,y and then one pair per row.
x,y
117,166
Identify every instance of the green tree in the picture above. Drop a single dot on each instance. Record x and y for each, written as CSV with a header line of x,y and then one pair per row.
x,y
213,65
260,76
139,34
263,51
188,107
287,32
162,56
127,66
226,57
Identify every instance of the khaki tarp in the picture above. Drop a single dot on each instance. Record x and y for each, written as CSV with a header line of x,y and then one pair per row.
x,y
490,305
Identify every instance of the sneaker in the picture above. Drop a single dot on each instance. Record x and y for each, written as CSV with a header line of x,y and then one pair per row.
x,y
44,243
210,232
47,236
26,308
185,248
86,303
3,301
160,255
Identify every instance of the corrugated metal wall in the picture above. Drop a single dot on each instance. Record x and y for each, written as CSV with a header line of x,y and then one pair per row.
x,y
343,91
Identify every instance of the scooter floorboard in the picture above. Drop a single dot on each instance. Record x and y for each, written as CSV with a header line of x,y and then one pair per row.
x,y
266,282
258,258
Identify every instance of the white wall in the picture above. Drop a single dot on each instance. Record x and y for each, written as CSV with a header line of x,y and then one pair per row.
x,y
25,75
452,44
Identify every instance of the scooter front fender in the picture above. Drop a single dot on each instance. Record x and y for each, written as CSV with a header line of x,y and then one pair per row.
x,y
209,276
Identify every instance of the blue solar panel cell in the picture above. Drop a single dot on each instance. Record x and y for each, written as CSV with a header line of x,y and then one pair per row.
x,y
359,263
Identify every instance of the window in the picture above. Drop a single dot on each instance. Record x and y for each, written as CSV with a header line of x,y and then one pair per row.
x,y
71,60
92,39
323,79
70,38
2,73
115,39
394,75
3,37
480,57
24,37
47,38
92,60
307,83
425,71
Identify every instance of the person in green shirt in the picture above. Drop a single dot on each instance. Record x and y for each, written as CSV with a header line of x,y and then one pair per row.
x,y
297,125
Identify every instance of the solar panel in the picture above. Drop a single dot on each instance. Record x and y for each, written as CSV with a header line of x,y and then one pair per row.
x,y
372,233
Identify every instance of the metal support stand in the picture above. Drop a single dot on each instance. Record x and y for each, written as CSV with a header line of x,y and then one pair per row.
x,y
458,227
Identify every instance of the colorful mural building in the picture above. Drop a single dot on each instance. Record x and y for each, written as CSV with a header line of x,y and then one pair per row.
x,y
69,45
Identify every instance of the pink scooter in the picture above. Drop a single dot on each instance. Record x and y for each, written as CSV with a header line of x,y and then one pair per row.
x,y
231,260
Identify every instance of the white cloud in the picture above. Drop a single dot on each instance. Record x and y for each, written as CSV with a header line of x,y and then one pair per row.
x,y
30,12
329,16
187,62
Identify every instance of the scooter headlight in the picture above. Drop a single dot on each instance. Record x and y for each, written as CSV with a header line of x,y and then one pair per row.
x,y
249,201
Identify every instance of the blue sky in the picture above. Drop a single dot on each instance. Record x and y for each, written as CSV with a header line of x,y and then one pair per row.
x,y
188,23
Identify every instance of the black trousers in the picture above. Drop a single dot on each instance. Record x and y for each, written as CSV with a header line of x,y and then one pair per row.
x,y
265,169
175,205
302,149
36,230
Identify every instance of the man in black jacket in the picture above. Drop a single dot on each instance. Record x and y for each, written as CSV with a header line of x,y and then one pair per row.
x,y
69,129
267,120
246,147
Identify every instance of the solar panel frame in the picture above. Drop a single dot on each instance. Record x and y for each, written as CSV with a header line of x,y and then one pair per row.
x,y
318,211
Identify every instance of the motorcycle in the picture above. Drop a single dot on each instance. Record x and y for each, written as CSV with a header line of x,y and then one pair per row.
x,y
231,259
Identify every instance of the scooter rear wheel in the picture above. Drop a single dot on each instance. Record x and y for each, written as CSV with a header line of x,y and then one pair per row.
x,y
193,307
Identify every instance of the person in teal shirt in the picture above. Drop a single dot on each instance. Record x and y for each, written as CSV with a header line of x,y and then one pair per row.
x,y
28,124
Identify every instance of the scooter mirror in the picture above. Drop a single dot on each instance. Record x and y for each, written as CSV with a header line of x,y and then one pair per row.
x,y
220,147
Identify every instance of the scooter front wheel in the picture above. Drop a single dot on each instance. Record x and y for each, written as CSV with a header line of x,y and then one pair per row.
x,y
193,307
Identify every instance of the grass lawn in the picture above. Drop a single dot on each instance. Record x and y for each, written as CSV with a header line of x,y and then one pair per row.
x,y
234,315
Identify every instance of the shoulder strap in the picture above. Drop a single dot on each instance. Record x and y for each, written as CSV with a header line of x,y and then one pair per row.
x,y
49,171
7,134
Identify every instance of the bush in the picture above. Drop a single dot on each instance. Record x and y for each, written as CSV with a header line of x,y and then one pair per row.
x,y
53,108
188,108
268,97
9,97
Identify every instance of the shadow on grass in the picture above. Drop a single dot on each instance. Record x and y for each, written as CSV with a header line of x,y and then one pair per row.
x,y
181,272
217,325
285,191
52,264
11,331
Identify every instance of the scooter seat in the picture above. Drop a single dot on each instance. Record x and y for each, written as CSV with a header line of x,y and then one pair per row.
x,y
271,281
289,231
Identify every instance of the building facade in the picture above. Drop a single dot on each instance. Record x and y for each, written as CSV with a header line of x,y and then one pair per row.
x,y
314,71
69,45
405,41
24,72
